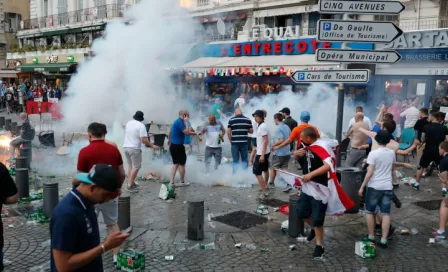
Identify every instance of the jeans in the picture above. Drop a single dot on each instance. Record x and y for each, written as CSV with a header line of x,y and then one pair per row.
x,y
381,198
238,149
213,152
1,259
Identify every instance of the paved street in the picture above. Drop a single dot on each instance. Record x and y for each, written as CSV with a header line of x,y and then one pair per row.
x,y
160,230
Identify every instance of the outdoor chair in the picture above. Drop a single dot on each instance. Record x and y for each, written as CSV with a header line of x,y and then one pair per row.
x,y
407,138
35,121
47,121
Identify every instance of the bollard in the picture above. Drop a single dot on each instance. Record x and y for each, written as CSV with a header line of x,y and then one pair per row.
x,y
7,124
195,220
351,179
124,212
2,121
27,144
51,197
296,226
13,127
21,162
22,182
25,153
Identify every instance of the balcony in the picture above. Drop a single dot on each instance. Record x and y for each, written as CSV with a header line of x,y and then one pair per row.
x,y
80,18
32,51
423,24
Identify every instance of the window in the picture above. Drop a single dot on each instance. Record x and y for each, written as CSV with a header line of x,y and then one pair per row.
x,y
387,18
202,3
45,8
80,4
284,21
101,8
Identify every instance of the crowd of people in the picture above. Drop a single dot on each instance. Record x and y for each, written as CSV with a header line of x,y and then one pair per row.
x,y
13,97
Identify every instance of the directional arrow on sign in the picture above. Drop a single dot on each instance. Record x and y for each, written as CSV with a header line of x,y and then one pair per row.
x,y
357,31
340,76
357,56
361,7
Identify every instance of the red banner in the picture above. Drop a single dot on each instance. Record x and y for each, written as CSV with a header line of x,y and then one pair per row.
x,y
33,107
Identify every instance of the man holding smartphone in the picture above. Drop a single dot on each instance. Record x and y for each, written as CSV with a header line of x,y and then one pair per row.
x,y
179,129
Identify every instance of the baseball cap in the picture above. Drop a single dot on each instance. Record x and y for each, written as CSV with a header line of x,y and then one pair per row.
x,y
258,113
382,137
139,116
305,116
103,176
286,111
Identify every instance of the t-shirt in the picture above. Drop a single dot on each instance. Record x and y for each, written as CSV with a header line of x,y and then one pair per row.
x,y
261,132
8,189
435,134
420,127
291,123
443,164
239,126
177,135
412,115
98,152
134,131
282,131
311,162
74,229
295,134
376,129
215,109
366,121
188,138
212,133
383,159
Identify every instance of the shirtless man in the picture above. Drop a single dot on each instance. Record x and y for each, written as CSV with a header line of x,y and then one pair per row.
x,y
357,151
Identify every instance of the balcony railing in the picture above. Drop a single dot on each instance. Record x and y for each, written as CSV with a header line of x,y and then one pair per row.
x,y
75,17
424,24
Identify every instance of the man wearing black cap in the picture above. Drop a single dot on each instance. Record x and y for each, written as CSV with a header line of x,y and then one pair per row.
x,y
379,186
135,135
75,236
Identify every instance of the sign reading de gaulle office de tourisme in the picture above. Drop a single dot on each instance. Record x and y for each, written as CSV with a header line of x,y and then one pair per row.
x,y
334,76
357,31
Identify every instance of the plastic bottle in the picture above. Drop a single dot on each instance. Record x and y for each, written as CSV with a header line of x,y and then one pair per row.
x,y
207,246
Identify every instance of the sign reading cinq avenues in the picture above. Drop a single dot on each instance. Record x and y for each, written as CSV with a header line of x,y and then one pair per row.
x,y
361,7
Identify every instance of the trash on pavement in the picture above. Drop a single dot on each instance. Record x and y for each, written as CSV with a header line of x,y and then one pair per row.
x,y
302,240
251,246
264,250
38,216
131,260
166,192
226,200
285,225
276,209
11,225
238,245
263,210
207,246
432,240
366,250
364,269
414,231
169,258
150,176
46,243
41,268
292,247
405,231
284,209
32,197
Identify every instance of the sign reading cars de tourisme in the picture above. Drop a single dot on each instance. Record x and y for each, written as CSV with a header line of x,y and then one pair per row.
x,y
335,76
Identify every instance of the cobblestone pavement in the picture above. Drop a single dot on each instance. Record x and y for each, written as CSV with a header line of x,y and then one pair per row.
x,y
160,230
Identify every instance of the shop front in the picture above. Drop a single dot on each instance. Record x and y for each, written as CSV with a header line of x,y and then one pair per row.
x,y
422,71
9,75
263,66
52,69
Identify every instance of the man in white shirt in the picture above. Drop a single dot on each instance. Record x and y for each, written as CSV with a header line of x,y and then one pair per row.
x,y
412,114
135,135
214,132
379,182
261,163
366,119
240,102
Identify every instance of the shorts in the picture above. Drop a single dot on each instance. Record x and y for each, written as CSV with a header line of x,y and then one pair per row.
x,y
109,210
308,207
133,157
280,162
355,157
429,155
259,168
381,198
178,154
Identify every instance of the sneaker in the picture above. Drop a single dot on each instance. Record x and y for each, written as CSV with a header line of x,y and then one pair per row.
x,y
287,189
444,192
271,185
263,196
136,184
440,235
184,183
318,253
415,186
381,244
132,189
367,239
378,230
311,236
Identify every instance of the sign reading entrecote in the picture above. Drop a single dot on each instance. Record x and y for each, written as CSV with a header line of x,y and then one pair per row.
x,y
339,76
357,56
357,31
361,7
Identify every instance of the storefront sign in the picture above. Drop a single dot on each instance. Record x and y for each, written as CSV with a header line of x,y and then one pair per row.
x,y
228,17
285,47
52,59
424,55
438,72
276,33
62,58
420,39
12,64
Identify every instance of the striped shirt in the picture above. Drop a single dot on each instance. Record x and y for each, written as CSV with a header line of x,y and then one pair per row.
x,y
239,125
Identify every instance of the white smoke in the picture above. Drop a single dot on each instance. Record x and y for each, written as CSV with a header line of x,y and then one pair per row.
x,y
128,72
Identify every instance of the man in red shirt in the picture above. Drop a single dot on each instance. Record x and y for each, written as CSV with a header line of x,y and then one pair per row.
x,y
100,151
